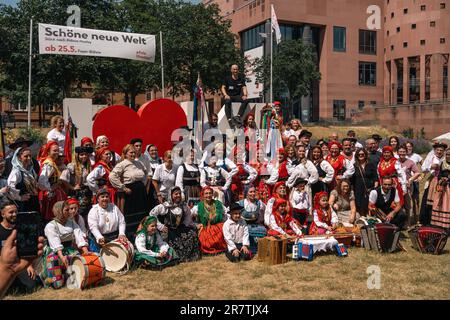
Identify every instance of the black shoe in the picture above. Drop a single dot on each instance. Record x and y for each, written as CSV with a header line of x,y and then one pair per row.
x,y
238,122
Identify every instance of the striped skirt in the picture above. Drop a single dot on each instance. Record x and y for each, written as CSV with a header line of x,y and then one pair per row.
x,y
439,197
212,240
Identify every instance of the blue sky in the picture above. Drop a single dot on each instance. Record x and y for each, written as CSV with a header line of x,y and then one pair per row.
x,y
15,1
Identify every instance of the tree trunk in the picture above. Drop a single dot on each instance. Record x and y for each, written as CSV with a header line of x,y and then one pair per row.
x,y
127,99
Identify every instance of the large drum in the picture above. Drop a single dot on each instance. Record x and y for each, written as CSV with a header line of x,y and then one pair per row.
x,y
85,271
118,255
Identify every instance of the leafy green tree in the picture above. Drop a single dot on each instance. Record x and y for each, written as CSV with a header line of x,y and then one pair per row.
x,y
294,69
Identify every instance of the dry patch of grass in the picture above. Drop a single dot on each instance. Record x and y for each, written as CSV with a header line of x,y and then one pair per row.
x,y
404,275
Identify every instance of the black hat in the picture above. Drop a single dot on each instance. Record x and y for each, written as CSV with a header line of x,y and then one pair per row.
x,y
19,141
377,137
440,145
84,150
305,132
101,191
299,181
236,206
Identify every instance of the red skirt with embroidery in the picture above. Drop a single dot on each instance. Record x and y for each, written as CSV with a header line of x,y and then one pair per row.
x,y
212,240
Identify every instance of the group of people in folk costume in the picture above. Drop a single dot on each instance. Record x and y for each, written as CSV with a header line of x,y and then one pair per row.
x,y
219,203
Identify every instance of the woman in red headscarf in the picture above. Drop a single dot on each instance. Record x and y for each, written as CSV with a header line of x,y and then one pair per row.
x,y
325,218
99,176
279,192
281,221
342,166
389,165
73,206
211,216
50,190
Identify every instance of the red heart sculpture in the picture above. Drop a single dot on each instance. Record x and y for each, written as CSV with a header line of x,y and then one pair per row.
x,y
153,123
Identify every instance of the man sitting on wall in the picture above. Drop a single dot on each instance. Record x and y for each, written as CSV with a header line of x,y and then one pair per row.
x,y
234,90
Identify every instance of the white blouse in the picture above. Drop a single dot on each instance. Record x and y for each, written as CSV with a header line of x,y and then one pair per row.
x,y
14,178
300,200
213,174
165,177
307,171
235,232
274,226
70,172
43,181
59,137
180,173
57,233
103,221
96,174
141,247
334,219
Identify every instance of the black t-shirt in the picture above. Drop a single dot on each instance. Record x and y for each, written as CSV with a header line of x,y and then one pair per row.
x,y
4,234
234,87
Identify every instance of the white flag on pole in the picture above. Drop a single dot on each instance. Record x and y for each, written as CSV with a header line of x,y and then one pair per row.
x,y
275,26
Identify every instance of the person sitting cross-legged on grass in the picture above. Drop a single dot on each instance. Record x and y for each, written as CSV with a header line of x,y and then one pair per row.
x,y
152,251
235,232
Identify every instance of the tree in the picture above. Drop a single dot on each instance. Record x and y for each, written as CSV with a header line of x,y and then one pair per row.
x,y
294,69
195,37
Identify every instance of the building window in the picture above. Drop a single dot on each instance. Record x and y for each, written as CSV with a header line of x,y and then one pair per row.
x,y
392,14
19,107
432,23
367,42
373,103
405,44
392,47
367,73
398,29
413,26
387,33
339,39
339,109
422,42
361,104
405,11
423,7
251,39
442,5
442,40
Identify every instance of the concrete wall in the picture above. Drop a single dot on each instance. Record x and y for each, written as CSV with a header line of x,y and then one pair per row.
x,y
434,118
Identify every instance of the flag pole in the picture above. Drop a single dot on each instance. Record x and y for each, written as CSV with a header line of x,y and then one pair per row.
x,y
162,64
271,58
29,72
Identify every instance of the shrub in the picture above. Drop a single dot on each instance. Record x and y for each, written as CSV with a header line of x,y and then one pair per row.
x,y
32,134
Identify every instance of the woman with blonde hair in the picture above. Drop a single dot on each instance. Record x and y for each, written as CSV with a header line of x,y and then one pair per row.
x,y
57,134
129,177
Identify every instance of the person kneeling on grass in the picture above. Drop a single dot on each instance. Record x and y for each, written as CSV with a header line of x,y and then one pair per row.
x,y
152,251
235,232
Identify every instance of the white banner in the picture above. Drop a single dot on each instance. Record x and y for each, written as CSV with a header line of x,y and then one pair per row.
x,y
254,89
55,39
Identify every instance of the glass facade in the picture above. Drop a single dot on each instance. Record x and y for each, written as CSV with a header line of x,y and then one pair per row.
x,y
251,39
